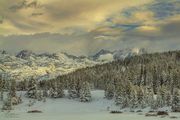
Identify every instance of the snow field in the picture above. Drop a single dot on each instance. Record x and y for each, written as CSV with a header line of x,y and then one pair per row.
x,y
68,109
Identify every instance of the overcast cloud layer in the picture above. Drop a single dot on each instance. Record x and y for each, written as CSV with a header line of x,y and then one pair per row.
x,y
85,26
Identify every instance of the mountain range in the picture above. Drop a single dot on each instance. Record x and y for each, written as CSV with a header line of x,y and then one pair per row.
x,y
26,64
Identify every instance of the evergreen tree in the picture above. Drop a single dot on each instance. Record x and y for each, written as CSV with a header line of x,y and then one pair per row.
x,y
149,98
85,92
45,92
176,100
57,90
127,93
133,98
72,90
32,89
119,94
168,98
39,95
155,80
161,97
140,97
176,97
12,91
60,89
109,91
2,88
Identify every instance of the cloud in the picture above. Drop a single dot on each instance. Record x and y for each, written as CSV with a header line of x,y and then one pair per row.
x,y
24,5
164,8
85,26
57,15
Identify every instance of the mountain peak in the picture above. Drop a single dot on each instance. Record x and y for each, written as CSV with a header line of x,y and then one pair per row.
x,y
101,52
25,54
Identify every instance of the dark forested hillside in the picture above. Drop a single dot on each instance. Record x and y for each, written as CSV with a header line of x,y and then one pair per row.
x,y
153,70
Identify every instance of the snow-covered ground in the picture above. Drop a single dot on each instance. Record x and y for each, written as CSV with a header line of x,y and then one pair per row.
x,y
66,109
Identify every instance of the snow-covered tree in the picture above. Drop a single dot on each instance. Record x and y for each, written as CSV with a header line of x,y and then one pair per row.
x,y
155,80
45,92
127,93
32,89
161,97
133,98
121,97
176,97
85,92
57,90
73,93
118,95
140,97
168,98
39,95
12,91
1,89
109,91
149,97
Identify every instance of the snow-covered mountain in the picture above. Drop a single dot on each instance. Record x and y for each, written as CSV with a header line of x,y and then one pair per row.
x,y
105,55
48,65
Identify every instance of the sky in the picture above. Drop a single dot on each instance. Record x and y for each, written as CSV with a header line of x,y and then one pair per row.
x,y
83,27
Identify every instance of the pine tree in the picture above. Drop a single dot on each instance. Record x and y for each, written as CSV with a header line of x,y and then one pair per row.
x,y
39,95
140,97
118,94
72,91
2,88
57,90
60,90
155,80
127,93
32,89
85,92
161,97
109,91
168,98
51,92
133,98
12,92
176,100
176,81
121,97
176,97
45,92
149,98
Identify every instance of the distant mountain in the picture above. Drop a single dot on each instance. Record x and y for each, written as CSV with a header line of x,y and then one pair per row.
x,y
101,53
27,63
106,55
25,54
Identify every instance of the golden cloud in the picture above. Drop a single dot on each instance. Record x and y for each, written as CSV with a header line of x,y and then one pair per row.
x,y
146,28
56,15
